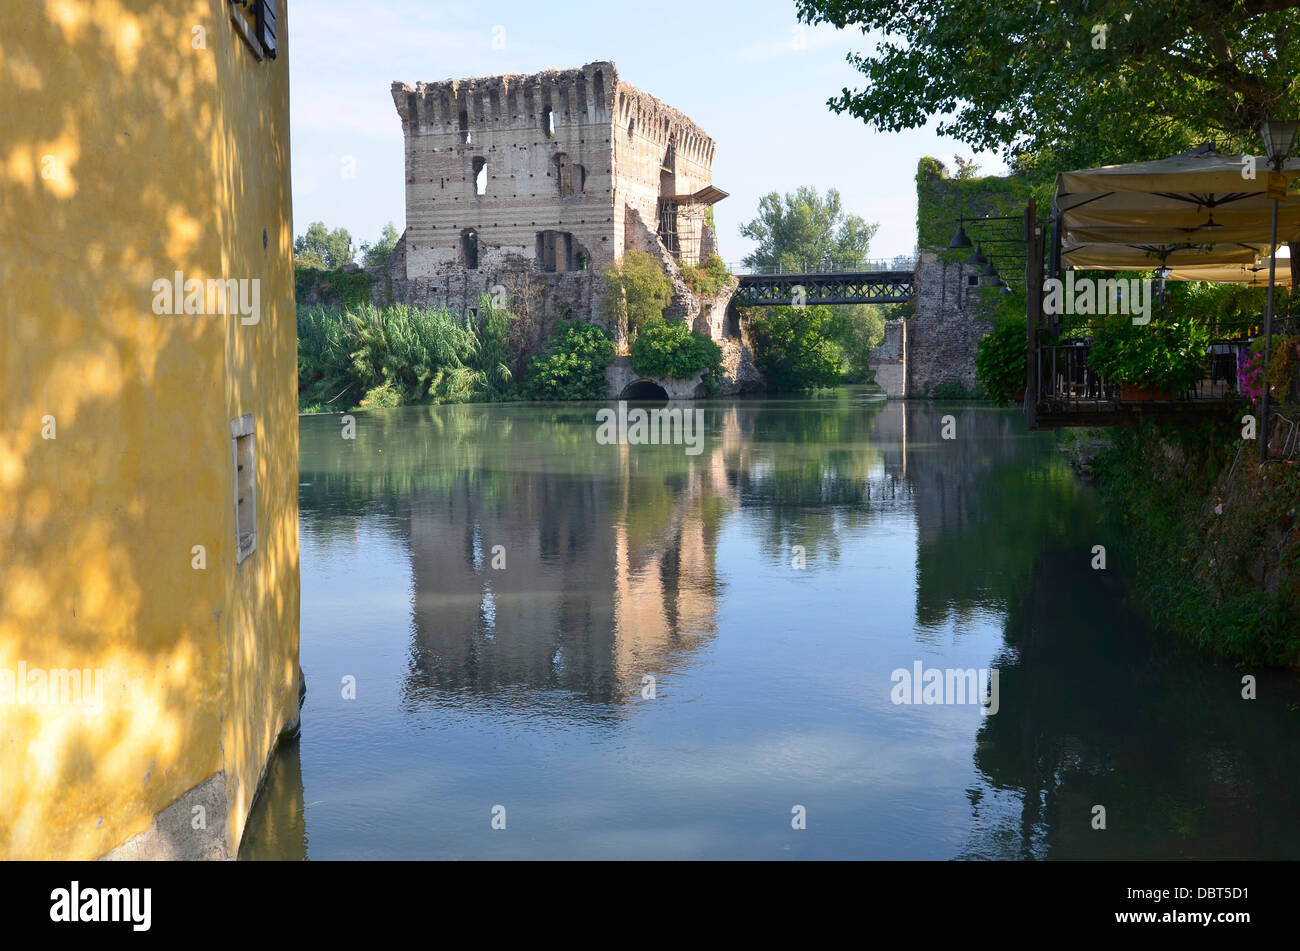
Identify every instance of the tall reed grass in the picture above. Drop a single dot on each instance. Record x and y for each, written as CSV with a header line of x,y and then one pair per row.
x,y
367,356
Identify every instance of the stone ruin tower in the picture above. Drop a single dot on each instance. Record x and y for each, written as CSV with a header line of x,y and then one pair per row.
x,y
535,184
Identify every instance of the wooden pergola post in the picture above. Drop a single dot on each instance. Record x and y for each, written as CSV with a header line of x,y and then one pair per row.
x,y
1033,309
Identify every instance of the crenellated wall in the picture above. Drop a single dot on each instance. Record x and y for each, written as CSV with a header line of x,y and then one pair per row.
x,y
505,122
566,154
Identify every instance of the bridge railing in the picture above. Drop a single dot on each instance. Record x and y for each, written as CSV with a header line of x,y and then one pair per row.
x,y
899,263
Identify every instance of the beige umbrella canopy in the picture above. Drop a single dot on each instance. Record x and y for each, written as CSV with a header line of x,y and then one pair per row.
x,y
1255,274
1197,214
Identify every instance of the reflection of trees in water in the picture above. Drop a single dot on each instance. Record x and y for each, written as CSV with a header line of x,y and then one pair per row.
x,y
1096,712
813,472
987,503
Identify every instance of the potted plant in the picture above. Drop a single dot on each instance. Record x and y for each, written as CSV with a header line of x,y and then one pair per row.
x,y
1154,361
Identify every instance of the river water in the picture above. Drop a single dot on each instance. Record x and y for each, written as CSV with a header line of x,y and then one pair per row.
x,y
640,651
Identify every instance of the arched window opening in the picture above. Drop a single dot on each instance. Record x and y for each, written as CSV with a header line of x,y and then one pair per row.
x,y
480,175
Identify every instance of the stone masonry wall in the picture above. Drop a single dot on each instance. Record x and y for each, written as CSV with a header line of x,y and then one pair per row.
x,y
943,336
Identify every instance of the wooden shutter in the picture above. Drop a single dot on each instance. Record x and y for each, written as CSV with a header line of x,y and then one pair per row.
x,y
266,25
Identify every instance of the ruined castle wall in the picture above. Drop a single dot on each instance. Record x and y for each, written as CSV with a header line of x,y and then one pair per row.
x,y
889,360
644,129
528,187
943,337
537,180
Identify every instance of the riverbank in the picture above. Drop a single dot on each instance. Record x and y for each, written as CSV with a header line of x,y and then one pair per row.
x,y
1214,542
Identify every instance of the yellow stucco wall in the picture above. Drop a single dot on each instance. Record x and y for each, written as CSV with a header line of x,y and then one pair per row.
x,y
126,154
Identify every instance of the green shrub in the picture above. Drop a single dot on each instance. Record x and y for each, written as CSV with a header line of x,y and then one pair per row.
x,y
1000,362
324,359
574,366
408,347
708,279
338,288
672,350
636,293
955,390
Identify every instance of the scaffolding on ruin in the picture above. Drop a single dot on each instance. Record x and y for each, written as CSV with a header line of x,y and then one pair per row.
x,y
681,222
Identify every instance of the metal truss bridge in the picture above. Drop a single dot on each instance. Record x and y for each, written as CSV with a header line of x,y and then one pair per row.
x,y
849,287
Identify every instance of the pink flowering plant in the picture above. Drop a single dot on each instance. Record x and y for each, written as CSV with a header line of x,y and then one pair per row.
x,y
1250,375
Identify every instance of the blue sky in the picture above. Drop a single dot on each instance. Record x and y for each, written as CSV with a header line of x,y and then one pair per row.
x,y
745,71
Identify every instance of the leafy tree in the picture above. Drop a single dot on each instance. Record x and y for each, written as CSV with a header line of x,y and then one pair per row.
x,y
797,348
375,255
805,230
1055,85
864,330
636,293
322,248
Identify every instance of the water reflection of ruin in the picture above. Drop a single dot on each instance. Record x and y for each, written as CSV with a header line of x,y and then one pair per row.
x,y
607,579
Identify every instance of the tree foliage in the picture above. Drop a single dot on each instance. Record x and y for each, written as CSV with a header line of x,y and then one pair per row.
x,y
321,248
807,231
864,330
798,348
1072,84
636,292
377,254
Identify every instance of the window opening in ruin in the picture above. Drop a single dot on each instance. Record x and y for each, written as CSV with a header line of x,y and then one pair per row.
x,y
569,176
555,252
972,280
480,175
668,227
631,127
464,127
667,191
469,248
548,122
598,80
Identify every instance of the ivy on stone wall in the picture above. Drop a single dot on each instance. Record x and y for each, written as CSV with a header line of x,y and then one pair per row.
x,y
942,199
